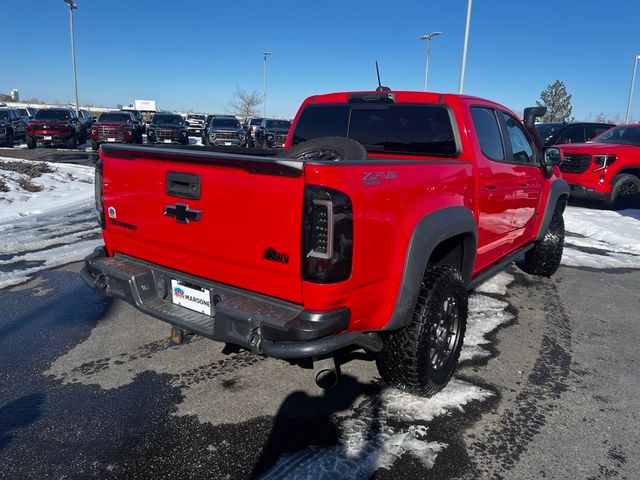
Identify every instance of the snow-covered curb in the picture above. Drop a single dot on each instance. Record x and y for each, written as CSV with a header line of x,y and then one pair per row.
x,y
49,228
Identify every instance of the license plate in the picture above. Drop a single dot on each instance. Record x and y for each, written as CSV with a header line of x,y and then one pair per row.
x,y
111,139
227,143
167,140
191,296
47,137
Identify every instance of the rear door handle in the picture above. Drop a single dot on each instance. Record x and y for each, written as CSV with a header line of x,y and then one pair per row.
x,y
489,186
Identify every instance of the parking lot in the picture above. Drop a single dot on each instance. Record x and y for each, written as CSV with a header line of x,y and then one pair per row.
x,y
94,389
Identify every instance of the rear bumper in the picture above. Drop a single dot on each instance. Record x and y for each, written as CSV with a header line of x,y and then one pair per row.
x,y
262,324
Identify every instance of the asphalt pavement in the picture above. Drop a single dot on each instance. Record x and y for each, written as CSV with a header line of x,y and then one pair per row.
x,y
91,388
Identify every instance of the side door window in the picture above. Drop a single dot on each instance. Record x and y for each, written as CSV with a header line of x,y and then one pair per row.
x,y
488,133
574,134
521,149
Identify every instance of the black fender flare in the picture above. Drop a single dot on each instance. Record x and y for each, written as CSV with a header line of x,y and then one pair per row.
x,y
559,188
431,231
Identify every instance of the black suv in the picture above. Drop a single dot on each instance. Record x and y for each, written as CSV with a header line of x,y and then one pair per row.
x,y
556,133
224,131
12,127
272,133
167,128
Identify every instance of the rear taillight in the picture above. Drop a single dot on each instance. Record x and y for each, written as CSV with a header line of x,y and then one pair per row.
x,y
99,194
327,235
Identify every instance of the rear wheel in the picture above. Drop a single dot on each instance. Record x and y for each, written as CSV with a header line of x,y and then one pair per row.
x,y
95,145
422,356
10,139
326,149
625,192
72,142
31,142
544,258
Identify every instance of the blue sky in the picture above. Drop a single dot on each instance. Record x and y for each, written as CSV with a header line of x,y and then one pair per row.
x,y
191,54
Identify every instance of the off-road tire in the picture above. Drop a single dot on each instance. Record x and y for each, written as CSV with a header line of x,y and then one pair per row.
x,y
625,192
9,142
544,258
406,357
95,146
326,149
31,142
72,143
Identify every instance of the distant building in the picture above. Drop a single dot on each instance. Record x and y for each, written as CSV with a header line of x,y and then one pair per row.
x,y
15,95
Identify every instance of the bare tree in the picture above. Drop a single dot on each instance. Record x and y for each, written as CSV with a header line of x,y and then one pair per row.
x,y
601,118
244,103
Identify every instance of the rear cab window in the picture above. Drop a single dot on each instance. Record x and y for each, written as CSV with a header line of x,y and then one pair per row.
x,y
407,129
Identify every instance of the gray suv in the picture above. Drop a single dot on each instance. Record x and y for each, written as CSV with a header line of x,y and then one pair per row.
x,y
224,131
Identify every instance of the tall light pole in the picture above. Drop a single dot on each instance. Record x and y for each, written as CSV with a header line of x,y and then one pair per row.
x,y
428,38
464,48
633,82
72,6
264,111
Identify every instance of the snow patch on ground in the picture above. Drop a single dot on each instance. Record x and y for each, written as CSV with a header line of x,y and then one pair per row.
x,y
485,315
602,239
369,442
49,228
497,284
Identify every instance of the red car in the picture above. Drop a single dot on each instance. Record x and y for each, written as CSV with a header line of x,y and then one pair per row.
x,y
116,127
607,168
366,232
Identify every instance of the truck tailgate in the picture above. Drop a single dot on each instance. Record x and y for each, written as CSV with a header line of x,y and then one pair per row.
x,y
243,227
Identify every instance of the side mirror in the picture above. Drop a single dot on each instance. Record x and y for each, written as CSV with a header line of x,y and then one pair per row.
x,y
551,157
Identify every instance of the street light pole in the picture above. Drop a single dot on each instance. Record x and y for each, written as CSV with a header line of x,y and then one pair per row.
x,y
633,82
464,48
428,38
264,111
73,6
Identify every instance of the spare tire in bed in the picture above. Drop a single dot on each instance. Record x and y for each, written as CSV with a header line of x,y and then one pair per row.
x,y
326,149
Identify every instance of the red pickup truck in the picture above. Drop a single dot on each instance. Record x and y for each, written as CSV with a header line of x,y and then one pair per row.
x,y
607,168
367,231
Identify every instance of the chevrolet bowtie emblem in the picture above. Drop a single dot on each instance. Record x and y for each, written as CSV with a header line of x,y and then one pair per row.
x,y
182,213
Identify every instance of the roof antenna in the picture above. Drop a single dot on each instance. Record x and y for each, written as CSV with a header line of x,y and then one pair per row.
x,y
380,87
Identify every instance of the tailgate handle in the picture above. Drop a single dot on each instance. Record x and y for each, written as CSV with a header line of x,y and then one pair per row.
x,y
183,185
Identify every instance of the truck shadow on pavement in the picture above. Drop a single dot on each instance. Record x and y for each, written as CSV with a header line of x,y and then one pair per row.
x,y
305,420
18,414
